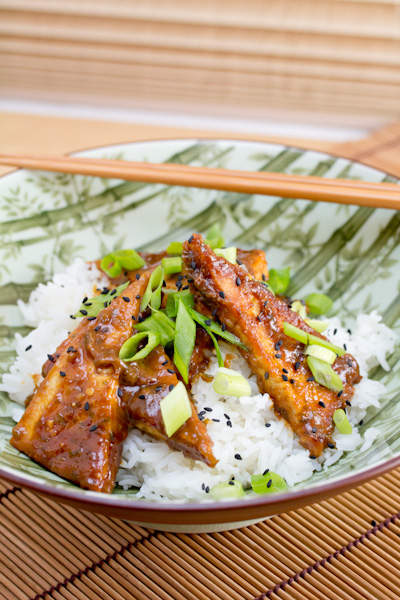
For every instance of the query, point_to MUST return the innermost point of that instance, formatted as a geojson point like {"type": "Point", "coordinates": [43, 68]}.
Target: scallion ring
{"type": "Point", "coordinates": [228, 382]}
{"type": "Point", "coordinates": [128, 350]}
{"type": "Point", "coordinates": [176, 409]}
{"type": "Point", "coordinates": [341, 421]}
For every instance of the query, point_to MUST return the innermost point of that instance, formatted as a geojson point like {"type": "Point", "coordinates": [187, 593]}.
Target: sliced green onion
{"type": "Point", "coordinates": [324, 374]}
{"type": "Point", "coordinates": [158, 323]}
{"type": "Point", "coordinates": [185, 337]}
{"type": "Point", "coordinates": [295, 333]}
{"type": "Point", "coordinates": [173, 301]}
{"type": "Point", "coordinates": [308, 338]}
{"type": "Point", "coordinates": [319, 304]}
{"type": "Point", "coordinates": [216, 346]}
{"type": "Point", "coordinates": [319, 326]}
{"type": "Point", "coordinates": [175, 409]}
{"type": "Point", "coordinates": [341, 421]}
{"type": "Point", "coordinates": [299, 308]}
{"type": "Point", "coordinates": [214, 237]}
{"type": "Point", "coordinates": [111, 265]}
{"type": "Point", "coordinates": [215, 328]}
{"type": "Point", "coordinates": [279, 280]}
{"type": "Point", "coordinates": [128, 350]}
{"type": "Point", "coordinates": [172, 264]}
{"type": "Point", "coordinates": [228, 253]}
{"type": "Point", "coordinates": [129, 259]}
{"type": "Point", "coordinates": [268, 483]}
{"type": "Point", "coordinates": [228, 382]}
{"type": "Point", "coordinates": [321, 353]}
{"type": "Point", "coordinates": [175, 248]}
{"type": "Point", "coordinates": [313, 339]}
{"type": "Point", "coordinates": [231, 489]}
{"type": "Point", "coordinates": [93, 306]}
{"type": "Point", "coordinates": [153, 287]}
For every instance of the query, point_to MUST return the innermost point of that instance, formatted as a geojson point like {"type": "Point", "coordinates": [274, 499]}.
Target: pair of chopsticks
{"type": "Point", "coordinates": [343, 191]}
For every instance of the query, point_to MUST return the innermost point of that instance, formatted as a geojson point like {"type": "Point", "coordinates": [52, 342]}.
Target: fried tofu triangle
{"type": "Point", "coordinates": [144, 384]}
{"type": "Point", "coordinates": [75, 423]}
{"type": "Point", "coordinates": [256, 316]}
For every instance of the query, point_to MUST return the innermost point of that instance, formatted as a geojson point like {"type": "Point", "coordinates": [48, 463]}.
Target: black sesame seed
{"type": "Point", "coordinates": [207, 489]}
{"type": "Point", "coordinates": [202, 413]}
{"type": "Point", "coordinates": [126, 298]}
{"type": "Point", "coordinates": [266, 375]}
{"type": "Point", "coordinates": [165, 362]}
{"type": "Point", "coordinates": [119, 392]}
{"type": "Point", "coordinates": [193, 264]}
{"type": "Point", "coordinates": [178, 284]}
{"type": "Point", "coordinates": [140, 319]}
{"type": "Point", "coordinates": [83, 312]}
{"type": "Point", "coordinates": [223, 326]}
{"type": "Point", "coordinates": [267, 424]}
{"type": "Point", "coordinates": [345, 346]}
{"type": "Point", "coordinates": [238, 281]}
{"type": "Point", "coordinates": [292, 381]}
{"type": "Point", "coordinates": [113, 292]}
{"type": "Point", "coordinates": [185, 287]}
{"type": "Point", "coordinates": [263, 277]}
{"type": "Point", "coordinates": [229, 423]}
{"type": "Point", "coordinates": [348, 402]}
{"type": "Point", "coordinates": [239, 262]}
{"type": "Point", "coordinates": [190, 280]}
{"type": "Point", "coordinates": [87, 406]}
{"type": "Point", "coordinates": [208, 322]}
{"type": "Point", "coordinates": [269, 483]}
{"type": "Point", "coordinates": [180, 277]}
{"type": "Point", "coordinates": [190, 240]}
{"type": "Point", "coordinates": [221, 294]}
{"type": "Point", "coordinates": [278, 355]}
{"type": "Point", "coordinates": [105, 330]}
{"type": "Point", "coordinates": [340, 393]}
{"type": "Point", "coordinates": [142, 397]}
{"type": "Point", "coordinates": [28, 347]}
{"type": "Point", "coordinates": [214, 312]}
{"type": "Point", "coordinates": [334, 331]}
{"type": "Point", "coordinates": [85, 300]}
{"type": "Point", "coordinates": [72, 317]}
{"type": "Point", "coordinates": [278, 344]}
{"type": "Point", "coordinates": [93, 428]}
{"type": "Point", "coordinates": [105, 304]}
{"type": "Point", "coordinates": [297, 365]}
{"type": "Point", "coordinates": [226, 416]}
{"type": "Point", "coordinates": [133, 318]}
{"type": "Point", "coordinates": [91, 318]}
{"type": "Point", "coordinates": [238, 457]}
{"type": "Point", "coordinates": [97, 329]}
{"type": "Point", "coordinates": [171, 387]}
{"type": "Point", "coordinates": [349, 363]}
{"type": "Point", "coordinates": [171, 371]}
{"type": "Point", "coordinates": [258, 318]}
{"type": "Point", "coordinates": [321, 404]}
{"type": "Point", "coordinates": [208, 409]}
{"type": "Point", "coordinates": [231, 482]}
{"type": "Point", "coordinates": [62, 373]}
{"type": "Point", "coordinates": [314, 430]}
{"type": "Point", "coordinates": [216, 420]}
{"type": "Point", "coordinates": [312, 456]}
{"type": "Point", "coordinates": [330, 445]}
{"type": "Point", "coordinates": [285, 377]}
{"type": "Point", "coordinates": [105, 291]}
{"type": "Point", "coordinates": [203, 486]}
{"type": "Point", "coordinates": [312, 378]}
{"type": "Point", "coordinates": [361, 422]}
{"type": "Point", "coordinates": [159, 388]}
{"type": "Point", "coordinates": [349, 331]}
{"type": "Point", "coordinates": [266, 471]}
{"type": "Point", "coordinates": [265, 303]}
{"type": "Point", "coordinates": [87, 303]}
{"type": "Point", "coordinates": [285, 370]}
{"type": "Point", "coordinates": [137, 275]}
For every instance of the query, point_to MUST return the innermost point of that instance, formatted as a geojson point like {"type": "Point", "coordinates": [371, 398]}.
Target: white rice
{"type": "Point", "coordinates": [163, 474]}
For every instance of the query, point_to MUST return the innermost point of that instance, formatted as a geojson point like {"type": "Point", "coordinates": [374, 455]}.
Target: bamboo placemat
{"type": "Point", "coordinates": [344, 548]}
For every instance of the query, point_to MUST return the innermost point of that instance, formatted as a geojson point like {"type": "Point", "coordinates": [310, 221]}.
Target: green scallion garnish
{"type": "Point", "coordinates": [322, 353]}
{"type": "Point", "coordinates": [319, 304]}
{"type": "Point", "coordinates": [324, 374]}
{"type": "Point", "coordinates": [341, 421]}
{"type": "Point", "coordinates": [215, 328]}
{"type": "Point", "coordinates": [228, 253]}
{"type": "Point", "coordinates": [113, 263]}
{"type": "Point", "coordinates": [159, 323]}
{"type": "Point", "coordinates": [231, 489]}
{"type": "Point", "coordinates": [175, 409]}
{"type": "Point", "coordinates": [268, 483]}
{"type": "Point", "coordinates": [308, 338]}
{"type": "Point", "coordinates": [93, 306]}
{"type": "Point", "coordinates": [185, 337]}
{"type": "Point", "coordinates": [128, 350]}
{"type": "Point", "coordinates": [175, 248]}
{"type": "Point", "coordinates": [172, 264]}
{"type": "Point", "coordinates": [319, 326]}
{"type": "Point", "coordinates": [173, 301]}
{"type": "Point", "coordinates": [152, 294]}
{"type": "Point", "coordinates": [299, 308]}
{"type": "Point", "coordinates": [214, 237]}
{"type": "Point", "coordinates": [216, 346]}
{"type": "Point", "coordinates": [279, 280]}
{"type": "Point", "coordinates": [228, 382]}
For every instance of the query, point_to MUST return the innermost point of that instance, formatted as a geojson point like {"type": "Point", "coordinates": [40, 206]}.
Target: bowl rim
{"type": "Point", "coordinates": [200, 512]}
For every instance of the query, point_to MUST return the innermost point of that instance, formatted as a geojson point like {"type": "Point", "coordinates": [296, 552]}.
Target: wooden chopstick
{"type": "Point", "coordinates": [343, 191]}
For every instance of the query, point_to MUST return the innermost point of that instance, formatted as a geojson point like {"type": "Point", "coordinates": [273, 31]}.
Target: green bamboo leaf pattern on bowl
{"type": "Point", "coordinates": [350, 253]}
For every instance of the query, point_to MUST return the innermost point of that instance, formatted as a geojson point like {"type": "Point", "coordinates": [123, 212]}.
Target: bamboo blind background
{"type": "Point", "coordinates": [345, 548]}
{"type": "Point", "coordinates": [239, 57]}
